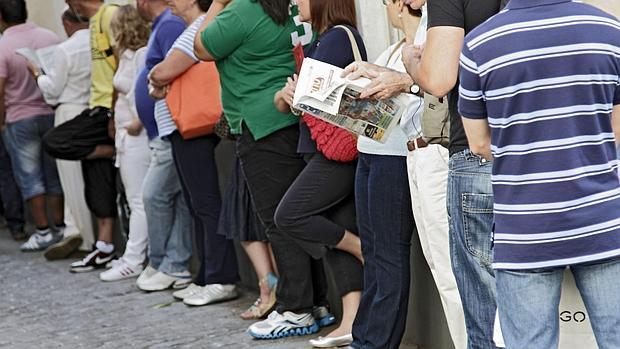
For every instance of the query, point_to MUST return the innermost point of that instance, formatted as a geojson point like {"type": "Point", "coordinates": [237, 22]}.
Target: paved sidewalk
{"type": "Point", "coordinates": [42, 305]}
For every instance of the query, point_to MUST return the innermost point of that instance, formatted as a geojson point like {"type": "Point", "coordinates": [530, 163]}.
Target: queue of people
{"type": "Point", "coordinates": [524, 185]}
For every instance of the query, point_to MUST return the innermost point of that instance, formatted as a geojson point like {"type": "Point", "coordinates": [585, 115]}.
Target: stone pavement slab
{"type": "Point", "coordinates": [42, 305]}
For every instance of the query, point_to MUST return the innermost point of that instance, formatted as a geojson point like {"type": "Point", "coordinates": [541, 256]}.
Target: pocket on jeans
{"type": "Point", "coordinates": [478, 225]}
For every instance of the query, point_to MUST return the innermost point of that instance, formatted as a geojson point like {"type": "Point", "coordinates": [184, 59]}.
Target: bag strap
{"type": "Point", "coordinates": [102, 38]}
{"type": "Point", "coordinates": [356, 50]}
{"type": "Point", "coordinates": [395, 49]}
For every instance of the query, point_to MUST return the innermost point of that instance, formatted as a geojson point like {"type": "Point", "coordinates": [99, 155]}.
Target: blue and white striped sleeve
{"type": "Point", "coordinates": [185, 42]}
{"type": "Point", "coordinates": [617, 94]}
{"type": "Point", "coordinates": [472, 104]}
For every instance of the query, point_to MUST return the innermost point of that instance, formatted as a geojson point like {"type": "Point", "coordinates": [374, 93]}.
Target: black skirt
{"type": "Point", "coordinates": [238, 219]}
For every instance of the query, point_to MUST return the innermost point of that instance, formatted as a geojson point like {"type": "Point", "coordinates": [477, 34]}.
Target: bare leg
{"type": "Point", "coordinates": [102, 151]}
{"type": "Point", "coordinates": [352, 244]}
{"type": "Point", "coordinates": [350, 303]}
{"type": "Point", "coordinates": [106, 229]}
{"type": "Point", "coordinates": [274, 265]}
{"type": "Point", "coordinates": [57, 206]}
{"type": "Point", "coordinates": [39, 211]}
{"type": "Point", "coordinates": [259, 253]}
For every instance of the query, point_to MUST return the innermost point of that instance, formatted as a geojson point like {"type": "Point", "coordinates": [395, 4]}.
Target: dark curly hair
{"type": "Point", "coordinates": [204, 4]}
{"type": "Point", "coordinates": [13, 11]}
{"type": "Point", "coordinates": [278, 10]}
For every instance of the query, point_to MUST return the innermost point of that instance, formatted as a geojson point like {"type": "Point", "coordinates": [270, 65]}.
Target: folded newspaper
{"type": "Point", "coordinates": [42, 58]}
{"type": "Point", "coordinates": [323, 93]}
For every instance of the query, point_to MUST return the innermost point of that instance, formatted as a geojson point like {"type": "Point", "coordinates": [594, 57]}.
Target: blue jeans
{"type": "Point", "coordinates": [385, 223]}
{"type": "Point", "coordinates": [194, 160]}
{"type": "Point", "coordinates": [34, 170]}
{"type": "Point", "coordinates": [470, 214]}
{"type": "Point", "coordinates": [528, 303]}
{"type": "Point", "coordinates": [168, 218]}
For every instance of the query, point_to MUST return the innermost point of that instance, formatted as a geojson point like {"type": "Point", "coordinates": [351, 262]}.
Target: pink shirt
{"type": "Point", "coordinates": [22, 97]}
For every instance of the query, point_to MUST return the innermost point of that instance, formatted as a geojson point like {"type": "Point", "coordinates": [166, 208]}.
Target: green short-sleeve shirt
{"type": "Point", "coordinates": [254, 58]}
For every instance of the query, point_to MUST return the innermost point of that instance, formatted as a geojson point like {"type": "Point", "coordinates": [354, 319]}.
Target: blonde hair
{"type": "Point", "coordinates": [130, 31]}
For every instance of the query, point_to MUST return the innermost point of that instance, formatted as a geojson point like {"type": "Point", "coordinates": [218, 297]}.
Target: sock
{"type": "Point", "coordinates": [60, 225]}
{"type": "Point", "coordinates": [104, 247]}
{"type": "Point", "coordinates": [44, 234]}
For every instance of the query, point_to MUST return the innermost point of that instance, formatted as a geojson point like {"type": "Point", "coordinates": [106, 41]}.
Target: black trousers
{"type": "Point", "coordinates": [195, 163]}
{"type": "Point", "coordinates": [75, 140]}
{"type": "Point", "coordinates": [11, 203]}
{"type": "Point", "coordinates": [317, 209]}
{"type": "Point", "coordinates": [270, 165]}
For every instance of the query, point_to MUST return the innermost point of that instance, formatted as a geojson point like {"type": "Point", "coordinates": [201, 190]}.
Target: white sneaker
{"type": "Point", "coordinates": [146, 274]}
{"type": "Point", "coordinates": [182, 282]}
{"type": "Point", "coordinates": [211, 294]}
{"type": "Point", "coordinates": [160, 281]}
{"type": "Point", "coordinates": [39, 242]}
{"type": "Point", "coordinates": [120, 271]}
{"type": "Point", "coordinates": [284, 325]}
{"type": "Point", "coordinates": [189, 291]}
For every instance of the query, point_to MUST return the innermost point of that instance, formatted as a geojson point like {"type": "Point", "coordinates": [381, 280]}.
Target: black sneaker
{"type": "Point", "coordinates": [19, 235]}
{"type": "Point", "coordinates": [94, 260]}
{"type": "Point", "coordinates": [323, 316]}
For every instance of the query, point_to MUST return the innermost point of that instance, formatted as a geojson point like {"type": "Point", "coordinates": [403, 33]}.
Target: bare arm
{"type": "Point", "coordinates": [479, 137]}
{"type": "Point", "coordinates": [437, 71]}
{"type": "Point", "coordinates": [283, 99]}
{"type": "Point", "coordinates": [384, 82]}
{"type": "Point", "coordinates": [615, 122]}
{"type": "Point", "coordinates": [199, 50]}
{"type": "Point", "coordinates": [2, 107]}
{"type": "Point", "coordinates": [170, 68]}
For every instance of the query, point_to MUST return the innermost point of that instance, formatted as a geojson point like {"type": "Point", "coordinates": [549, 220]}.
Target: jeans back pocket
{"type": "Point", "coordinates": [478, 225]}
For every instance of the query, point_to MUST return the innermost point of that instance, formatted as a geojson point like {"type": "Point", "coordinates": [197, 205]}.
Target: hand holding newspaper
{"type": "Point", "coordinates": [322, 93]}
{"type": "Point", "coordinates": [42, 58]}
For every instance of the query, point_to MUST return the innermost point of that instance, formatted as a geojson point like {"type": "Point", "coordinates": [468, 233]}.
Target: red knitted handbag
{"type": "Point", "coordinates": [333, 142]}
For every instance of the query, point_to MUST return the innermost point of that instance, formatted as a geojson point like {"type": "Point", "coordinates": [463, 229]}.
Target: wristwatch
{"type": "Point", "coordinates": [414, 88]}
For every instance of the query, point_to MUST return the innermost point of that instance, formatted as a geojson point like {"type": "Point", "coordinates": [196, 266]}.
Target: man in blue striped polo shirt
{"type": "Point", "coordinates": [540, 97]}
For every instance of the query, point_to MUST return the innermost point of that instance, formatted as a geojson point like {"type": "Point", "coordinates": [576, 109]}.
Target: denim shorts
{"type": "Point", "coordinates": [34, 170]}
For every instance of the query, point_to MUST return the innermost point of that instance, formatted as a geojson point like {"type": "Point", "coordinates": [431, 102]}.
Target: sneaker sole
{"type": "Point", "coordinates": [146, 288]}
{"type": "Point", "coordinates": [181, 285]}
{"type": "Point", "coordinates": [327, 321]}
{"type": "Point", "coordinates": [299, 331]}
{"type": "Point", "coordinates": [81, 269]}
{"type": "Point", "coordinates": [31, 250]}
{"type": "Point", "coordinates": [63, 249]}
{"type": "Point", "coordinates": [221, 300]}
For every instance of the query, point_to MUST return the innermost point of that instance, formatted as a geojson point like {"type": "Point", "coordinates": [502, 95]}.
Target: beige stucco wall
{"type": "Point", "coordinates": [46, 13]}
{"type": "Point", "coordinates": [611, 6]}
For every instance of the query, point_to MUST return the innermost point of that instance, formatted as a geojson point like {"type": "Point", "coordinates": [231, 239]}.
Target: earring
{"type": "Point", "coordinates": [400, 15]}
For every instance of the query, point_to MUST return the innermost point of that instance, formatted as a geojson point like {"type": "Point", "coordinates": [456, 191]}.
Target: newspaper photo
{"type": "Point", "coordinates": [323, 93]}
{"type": "Point", "coordinates": [42, 58]}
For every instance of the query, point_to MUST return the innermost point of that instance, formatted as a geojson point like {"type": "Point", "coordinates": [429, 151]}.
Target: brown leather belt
{"type": "Point", "coordinates": [416, 144]}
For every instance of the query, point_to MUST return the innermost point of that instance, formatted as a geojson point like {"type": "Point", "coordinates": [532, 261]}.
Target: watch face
{"type": "Point", "coordinates": [415, 89]}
